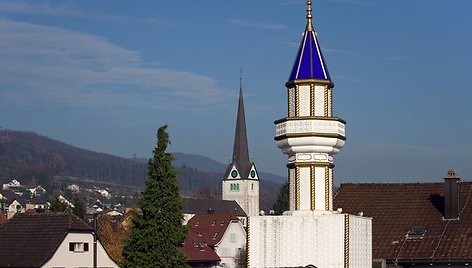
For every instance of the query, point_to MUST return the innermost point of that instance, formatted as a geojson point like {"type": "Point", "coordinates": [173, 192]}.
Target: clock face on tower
{"type": "Point", "coordinates": [234, 173]}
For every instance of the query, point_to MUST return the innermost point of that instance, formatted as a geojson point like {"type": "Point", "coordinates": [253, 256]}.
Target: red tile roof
{"type": "Point", "coordinates": [210, 227]}
{"type": "Point", "coordinates": [206, 230]}
{"type": "Point", "coordinates": [3, 218]}
{"type": "Point", "coordinates": [396, 208]}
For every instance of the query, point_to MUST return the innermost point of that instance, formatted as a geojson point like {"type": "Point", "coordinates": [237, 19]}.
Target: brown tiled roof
{"type": "Point", "coordinates": [210, 227]}
{"type": "Point", "coordinates": [198, 252]}
{"type": "Point", "coordinates": [3, 218]}
{"type": "Point", "coordinates": [396, 208]}
{"type": "Point", "coordinates": [206, 230]}
{"type": "Point", "coordinates": [193, 205]}
{"type": "Point", "coordinates": [11, 196]}
{"type": "Point", "coordinates": [29, 240]}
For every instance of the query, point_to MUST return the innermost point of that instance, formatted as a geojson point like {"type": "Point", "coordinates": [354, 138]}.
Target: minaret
{"type": "Point", "coordinates": [241, 181]}
{"type": "Point", "coordinates": [310, 234]}
{"type": "Point", "coordinates": [310, 135]}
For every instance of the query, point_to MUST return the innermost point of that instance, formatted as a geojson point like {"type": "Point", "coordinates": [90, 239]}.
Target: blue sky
{"type": "Point", "coordinates": [104, 75]}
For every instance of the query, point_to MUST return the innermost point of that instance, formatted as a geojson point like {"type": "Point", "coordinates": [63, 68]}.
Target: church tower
{"type": "Point", "coordinates": [241, 180]}
{"type": "Point", "coordinates": [310, 134]}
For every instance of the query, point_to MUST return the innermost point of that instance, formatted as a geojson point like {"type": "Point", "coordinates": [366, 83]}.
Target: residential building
{"type": "Point", "coordinates": [215, 232]}
{"type": "Point", "coordinates": [50, 240]}
{"type": "Point", "coordinates": [12, 203]}
{"type": "Point", "coordinates": [415, 224]}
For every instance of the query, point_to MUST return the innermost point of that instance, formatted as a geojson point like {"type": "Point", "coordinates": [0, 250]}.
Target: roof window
{"type": "Point", "coordinates": [418, 230]}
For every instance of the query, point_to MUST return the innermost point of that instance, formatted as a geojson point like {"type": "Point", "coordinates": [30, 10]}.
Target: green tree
{"type": "Point", "coordinates": [58, 206]}
{"type": "Point", "coordinates": [281, 204]}
{"type": "Point", "coordinates": [79, 207]}
{"type": "Point", "coordinates": [157, 230]}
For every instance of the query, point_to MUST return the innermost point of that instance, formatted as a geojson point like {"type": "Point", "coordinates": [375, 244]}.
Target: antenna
{"type": "Point", "coordinates": [240, 78]}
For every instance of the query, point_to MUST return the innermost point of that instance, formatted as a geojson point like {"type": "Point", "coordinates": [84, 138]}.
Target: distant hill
{"type": "Point", "coordinates": [28, 155]}
{"type": "Point", "coordinates": [204, 163]}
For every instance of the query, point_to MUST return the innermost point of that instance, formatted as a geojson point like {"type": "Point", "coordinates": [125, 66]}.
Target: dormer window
{"type": "Point", "coordinates": [215, 235]}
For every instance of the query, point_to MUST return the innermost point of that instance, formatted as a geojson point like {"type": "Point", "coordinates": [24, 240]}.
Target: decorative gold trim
{"type": "Point", "coordinates": [289, 101]}
{"type": "Point", "coordinates": [291, 83]}
{"type": "Point", "coordinates": [248, 244]}
{"type": "Point", "coordinates": [309, 164]}
{"type": "Point", "coordinates": [330, 102]}
{"type": "Point", "coordinates": [285, 119]}
{"type": "Point", "coordinates": [297, 179]}
{"type": "Point", "coordinates": [312, 190]}
{"type": "Point", "coordinates": [331, 189]}
{"type": "Point", "coordinates": [297, 101]}
{"type": "Point", "coordinates": [327, 188]}
{"type": "Point", "coordinates": [312, 100]}
{"type": "Point", "coordinates": [325, 98]}
{"type": "Point", "coordinates": [290, 189]}
{"type": "Point", "coordinates": [346, 241]}
{"type": "Point", "coordinates": [309, 134]}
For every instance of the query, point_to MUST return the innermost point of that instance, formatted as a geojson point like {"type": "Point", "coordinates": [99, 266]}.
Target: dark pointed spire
{"type": "Point", "coordinates": [240, 149]}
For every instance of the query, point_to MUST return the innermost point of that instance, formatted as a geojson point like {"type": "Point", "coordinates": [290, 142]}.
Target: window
{"type": "Point", "coordinates": [215, 235]}
{"type": "Point", "coordinates": [78, 247]}
{"type": "Point", "coordinates": [252, 186]}
{"type": "Point", "coordinates": [234, 187]}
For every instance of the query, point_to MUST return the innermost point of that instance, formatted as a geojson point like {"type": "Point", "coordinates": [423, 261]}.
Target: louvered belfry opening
{"type": "Point", "coordinates": [451, 195]}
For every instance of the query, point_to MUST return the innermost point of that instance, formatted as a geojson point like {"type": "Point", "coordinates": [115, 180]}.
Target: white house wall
{"type": "Point", "coordinates": [234, 239]}
{"type": "Point", "coordinates": [69, 259]}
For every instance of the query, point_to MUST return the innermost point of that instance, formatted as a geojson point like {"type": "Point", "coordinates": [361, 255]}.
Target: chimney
{"type": "Point", "coordinates": [451, 195]}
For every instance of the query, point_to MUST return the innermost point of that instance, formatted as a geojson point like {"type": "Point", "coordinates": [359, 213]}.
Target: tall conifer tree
{"type": "Point", "coordinates": [281, 204]}
{"type": "Point", "coordinates": [157, 231]}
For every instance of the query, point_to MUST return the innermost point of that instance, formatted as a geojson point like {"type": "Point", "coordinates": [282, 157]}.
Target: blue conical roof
{"type": "Point", "coordinates": [309, 63]}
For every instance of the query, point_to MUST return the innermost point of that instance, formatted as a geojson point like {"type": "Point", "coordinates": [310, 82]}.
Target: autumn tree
{"type": "Point", "coordinates": [112, 237]}
{"type": "Point", "coordinates": [281, 204]}
{"type": "Point", "coordinates": [157, 231]}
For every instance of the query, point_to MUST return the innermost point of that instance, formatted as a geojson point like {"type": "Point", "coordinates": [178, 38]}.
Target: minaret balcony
{"type": "Point", "coordinates": [310, 135]}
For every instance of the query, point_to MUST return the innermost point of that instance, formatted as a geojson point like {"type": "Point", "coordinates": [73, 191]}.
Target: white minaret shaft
{"type": "Point", "coordinates": [310, 135]}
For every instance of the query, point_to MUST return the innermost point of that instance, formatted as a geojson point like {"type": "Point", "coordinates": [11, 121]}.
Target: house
{"type": "Point", "coordinates": [220, 232]}
{"type": "Point", "coordinates": [37, 204]}
{"type": "Point", "coordinates": [14, 186]}
{"type": "Point", "coordinates": [12, 203]}
{"type": "Point", "coordinates": [50, 240]}
{"type": "Point", "coordinates": [192, 206]}
{"type": "Point", "coordinates": [37, 190]}
{"type": "Point", "coordinates": [415, 224]}
{"type": "Point", "coordinates": [12, 183]}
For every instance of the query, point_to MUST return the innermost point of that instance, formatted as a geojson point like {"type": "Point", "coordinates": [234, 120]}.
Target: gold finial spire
{"type": "Point", "coordinates": [309, 24]}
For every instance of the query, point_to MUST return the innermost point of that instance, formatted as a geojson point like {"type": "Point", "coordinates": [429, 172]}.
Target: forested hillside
{"type": "Point", "coordinates": [27, 155]}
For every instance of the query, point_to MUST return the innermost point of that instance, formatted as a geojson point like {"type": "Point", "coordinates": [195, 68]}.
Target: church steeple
{"type": "Point", "coordinates": [240, 148]}
{"type": "Point", "coordinates": [241, 180]}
